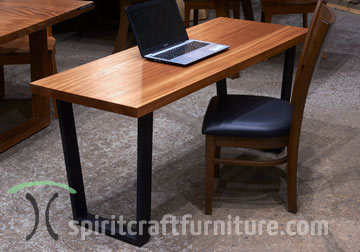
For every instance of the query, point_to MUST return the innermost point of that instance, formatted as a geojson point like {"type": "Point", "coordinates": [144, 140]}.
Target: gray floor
{"type": "Point", "coordinates": [328, 175]}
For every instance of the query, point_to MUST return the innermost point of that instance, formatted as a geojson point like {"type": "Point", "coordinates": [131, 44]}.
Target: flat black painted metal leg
{"type": "Point", "coordinates": [144, 174]}
{"type": "Point", "coordinates": [140, 235]}
{"type": "Point", "coordinates": [288, 73]}
{"type": "Point", "coordinates": [72, 158]}
{"type": "Point", "coordinates": [221, 87]}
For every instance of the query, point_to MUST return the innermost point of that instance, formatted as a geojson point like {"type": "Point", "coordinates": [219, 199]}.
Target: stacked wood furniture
{"type": "Point", "coordinates": [21, 18]}
{"type": "Point", "coordinates": [258, 122]}
{"type": "Point", "coordinates": [196, 5]}
{"type": "Point", "coordinates": [122, 34]}
{"type": "Point", "coordinates": [18, 52]}
{"type": "Point", "coordinates": [270, 8]}
{"type": "Point", "coordinates": [222, 9]}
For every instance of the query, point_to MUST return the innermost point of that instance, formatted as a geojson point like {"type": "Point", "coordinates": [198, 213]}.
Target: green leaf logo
{"type": "Point", "coordinates": [21, 186]}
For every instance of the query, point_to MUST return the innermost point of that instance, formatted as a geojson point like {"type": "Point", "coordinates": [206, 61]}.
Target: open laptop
{"type": "Point", "coordinates": [161, 35]}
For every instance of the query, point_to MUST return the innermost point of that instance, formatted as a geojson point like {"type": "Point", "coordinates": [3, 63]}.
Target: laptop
{"type": "Point", "coordinates": [161, 36]}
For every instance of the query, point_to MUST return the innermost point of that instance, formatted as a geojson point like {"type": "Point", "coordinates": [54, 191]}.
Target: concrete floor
{"type": "Point", "coordinates": [328, 177]}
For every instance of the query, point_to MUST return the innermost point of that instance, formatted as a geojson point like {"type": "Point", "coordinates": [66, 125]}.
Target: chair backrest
{"type": "Point", "coordinates": [321, 22]}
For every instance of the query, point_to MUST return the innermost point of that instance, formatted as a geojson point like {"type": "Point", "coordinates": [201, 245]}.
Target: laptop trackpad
{"type": "Point", "coordinates": [203, 52]}
{"type": "Point", "coordinates": [194, 55]}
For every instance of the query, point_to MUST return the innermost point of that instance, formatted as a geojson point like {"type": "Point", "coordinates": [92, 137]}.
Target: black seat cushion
{"type": "Point", "coordinates": [247, 116]}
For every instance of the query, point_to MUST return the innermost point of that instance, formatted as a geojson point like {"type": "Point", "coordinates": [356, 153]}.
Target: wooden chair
{"type": "Point", "coordinates": [210, 4]}
{"type": "Point", "coordinates": [259, 122]}
{"type": "Point", "coordinates": [270, 8]}
{"type": "Point", "coordinates": [122, 34]}
{"type": "Point", "coordinates": [18, 52]}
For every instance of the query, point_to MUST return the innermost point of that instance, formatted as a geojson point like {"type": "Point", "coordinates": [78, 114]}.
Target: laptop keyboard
{"type": "Point", "coordinates": [181, 50]}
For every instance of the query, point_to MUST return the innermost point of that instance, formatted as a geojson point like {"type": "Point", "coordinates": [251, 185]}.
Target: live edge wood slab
{"type": "Point", "coordinates": [127, 84]}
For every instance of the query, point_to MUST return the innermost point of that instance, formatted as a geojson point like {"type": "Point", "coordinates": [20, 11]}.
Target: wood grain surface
{"type": "Point", "coordinates": [23, 17]}
{"type": "Point", "coordinates": [127, 84]}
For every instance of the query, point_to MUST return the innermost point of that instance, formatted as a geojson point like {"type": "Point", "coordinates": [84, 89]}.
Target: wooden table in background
{"type": "Point", "coordinates": [31, 17]}
{"type": "Point", "coordinates": [125, 83]}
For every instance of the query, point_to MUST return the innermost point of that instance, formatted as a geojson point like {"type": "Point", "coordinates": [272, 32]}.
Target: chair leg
{"type": "Point", "coordinates": [53, 63]}
{"type": "Point", "coordinates": [266, 16]}
{"type": "Point", "coordinates": [323, 55]}
{"type": "Point", "coordinates": [2, 82]}
{"type": "Point", "coordinates": [209, 173]}
{"type": "Point", "coordinates": [305, 20]}
{"type": "Point", "coordinates": [196, 17]}
{"type": "Point", "coordinates": [247, 9]}
{"type": "Point", "coordinates": [121, 37]}
{"type": "Point", "coordinates": [236, 9]}
{"type": "Point", "coordinates": [292, 178]}
{"type": "Point", "coordinates": [187, 15]}
{"type": "Point", "coordinates": [217, 166]}
{"type": "Point", "coordinates": [54, 71]}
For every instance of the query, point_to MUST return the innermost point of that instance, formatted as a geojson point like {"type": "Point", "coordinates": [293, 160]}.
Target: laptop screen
{"type": "Point", "coordinates": [156, 24]}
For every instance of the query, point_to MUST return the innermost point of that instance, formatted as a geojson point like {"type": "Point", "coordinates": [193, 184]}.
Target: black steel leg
{"type": "Point", "coordinates": [221, 87]}
{"type": "Point", "coordinates": [288, 73]}
{"type": "Point", "coordinates": [75, 180]}
{"type": "Point", "coordinates": [72, 158]}
{"type": "Point", "coordinates": [144, 168]}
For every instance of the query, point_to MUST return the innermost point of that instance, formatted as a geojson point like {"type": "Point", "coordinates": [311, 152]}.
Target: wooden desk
{"type": "Point", "coordinates": [127, 84]}
{"type": "Point", "coordinates": [31, 17]}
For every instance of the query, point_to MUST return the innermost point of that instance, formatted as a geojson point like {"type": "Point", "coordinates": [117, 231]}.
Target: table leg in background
{"type": "Point", "coordinates": [41, 105]}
